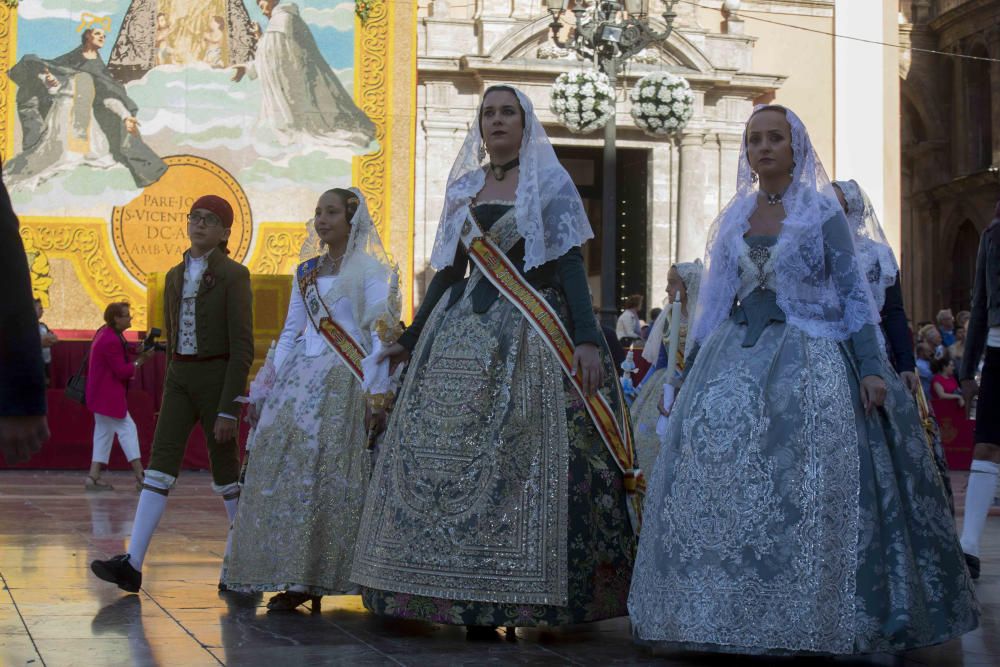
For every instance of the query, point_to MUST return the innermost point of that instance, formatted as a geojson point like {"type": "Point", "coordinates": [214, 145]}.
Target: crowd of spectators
{"type": "Point", "coordinates": [939, 346]}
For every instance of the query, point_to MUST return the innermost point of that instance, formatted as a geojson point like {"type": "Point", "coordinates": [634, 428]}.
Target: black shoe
{"type": "Point", "coordinates": [119, 571]}
{"type": "Point", "coordinates": [481, 633]}
{"type": "Point", "coordinates": [972, 562]}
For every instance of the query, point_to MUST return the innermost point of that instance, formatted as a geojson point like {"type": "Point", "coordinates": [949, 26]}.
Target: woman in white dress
{"type": "Point", "coordinates": [650, 409]}
{"type": "Point", "coordinates": [309, 467]}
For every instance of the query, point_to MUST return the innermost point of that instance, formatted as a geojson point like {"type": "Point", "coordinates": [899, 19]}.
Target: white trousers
{"type": "Point", "coordinates": [105, 429]}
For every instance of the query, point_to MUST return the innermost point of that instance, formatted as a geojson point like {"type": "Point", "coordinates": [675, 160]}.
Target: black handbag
{"type": "Point", "coordinates": [76, 386]}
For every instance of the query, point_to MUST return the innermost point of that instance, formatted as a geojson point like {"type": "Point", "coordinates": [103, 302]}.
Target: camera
{"type": "Point", "coordinates": [150, 342]}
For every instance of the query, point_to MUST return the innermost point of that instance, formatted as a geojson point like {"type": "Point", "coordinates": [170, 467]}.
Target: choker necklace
{"type": "Point", "coordinates": [500, 170]}
{"type": "Point", "coordinates": [772, 200]}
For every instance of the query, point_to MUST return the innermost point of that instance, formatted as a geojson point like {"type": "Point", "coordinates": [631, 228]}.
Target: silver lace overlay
{"type": "Point", "coordinates": [469, 497]}
{"type": "Point", "coordinates": [750, 539]}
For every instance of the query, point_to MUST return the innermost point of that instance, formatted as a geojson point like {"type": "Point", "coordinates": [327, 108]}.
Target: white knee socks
{"type": "Point", "coordinates": [231, 505]}
{"type": "Point", "coordinates": [978, 499]}
{"type": "Point", "coordinates": [147, 517]}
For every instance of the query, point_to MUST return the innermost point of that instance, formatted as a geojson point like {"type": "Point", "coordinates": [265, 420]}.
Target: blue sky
{"type": "Point", "coordinates": [48, 27]}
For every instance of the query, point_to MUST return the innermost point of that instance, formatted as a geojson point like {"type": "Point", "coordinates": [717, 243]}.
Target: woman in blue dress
{"type": "Point", "coordinates": [785, 512]}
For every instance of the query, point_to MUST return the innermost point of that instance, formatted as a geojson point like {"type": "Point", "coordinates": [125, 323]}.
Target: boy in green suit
{"type": "Point", "coordinates": [210, 348]}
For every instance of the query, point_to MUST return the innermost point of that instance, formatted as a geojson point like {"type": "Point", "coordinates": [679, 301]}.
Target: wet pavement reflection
{"type": "Point", "coordinates": [53, 612]}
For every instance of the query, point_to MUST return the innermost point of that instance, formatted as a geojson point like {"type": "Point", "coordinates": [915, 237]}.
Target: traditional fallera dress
{"type": "Point", "coordinates": [878, 263]}
{"type": "Point", "coordinates": [645, 410]}
{"type": "Point", "coordinates": [648, 424]}
{"type": "Point", "coordinates": [495, 500]}
{"type": "Point", "coordinates": [309, 465]}
{"type": "Point", "coordinates": [779, 517]}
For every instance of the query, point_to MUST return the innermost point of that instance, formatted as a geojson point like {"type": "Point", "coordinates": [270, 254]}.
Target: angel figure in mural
{"type": "Point", "coordinates": [164, 52]}
{"type": "Point", "coordinates": [74, 113]}
{"type": "Point", "coordinates": [301, 95]}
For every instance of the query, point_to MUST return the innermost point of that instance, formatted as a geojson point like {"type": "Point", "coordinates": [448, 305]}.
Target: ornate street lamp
{"type": "Point", "coordinates": [609, 33]}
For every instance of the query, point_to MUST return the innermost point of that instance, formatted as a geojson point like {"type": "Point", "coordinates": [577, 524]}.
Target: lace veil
{"type": "Point", "coordinates": [690, 273]}
{"type": "Point", "coordinates": [820, 286]}
{"type": "Point", "coordinates": [550, 215]}
{"type": "Point", "coordinates": [878, 263]}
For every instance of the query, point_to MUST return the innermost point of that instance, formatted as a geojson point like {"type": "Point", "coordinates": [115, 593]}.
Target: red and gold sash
{"type": "Point", "coordinates": [341, 342]}
{"type": "Point", "coordinates": [498, 269]}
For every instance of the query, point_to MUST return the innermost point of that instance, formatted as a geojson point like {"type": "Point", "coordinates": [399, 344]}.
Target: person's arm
{"type": "Point", "coordinates": [896, 330]}
{"type": "Point", "coordinates": [22, 376]}
{"type": "Point", "coordinates": [439, 284]}
{"type": "Point", "coordinates": [586, 336]}
{"type": "Point", "coordinates": [842, 265]}
{"type": "Point", "coordinates": [939, 391]}
{"type": "Point", "coordinates": [23, 428]}
{"type": "Point", "coordinates": [295, 322]}
{"type": "Point", "coordinates": [573, 277]}
{"type": "Point", "coordinates": [377, 375]}
{"type": "Point", "coordinates": [239, 320]}
{"type": "Point", "coordinates": [976, 332]}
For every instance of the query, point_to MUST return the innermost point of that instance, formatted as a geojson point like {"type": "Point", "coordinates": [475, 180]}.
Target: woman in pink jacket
{"type": "Point", "coordinates": [108, 372]}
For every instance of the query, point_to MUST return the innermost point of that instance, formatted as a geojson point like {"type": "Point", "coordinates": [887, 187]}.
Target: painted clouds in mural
{"type": "Point", "coordinates": [91, 136]}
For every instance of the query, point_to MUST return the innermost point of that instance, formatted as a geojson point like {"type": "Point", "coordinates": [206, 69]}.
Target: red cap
{"type": "Point", "coordinates": [217, 205]}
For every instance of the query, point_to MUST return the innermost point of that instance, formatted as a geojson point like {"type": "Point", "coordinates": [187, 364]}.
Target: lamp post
{"type": "Point", "coordinates": [609, 33]}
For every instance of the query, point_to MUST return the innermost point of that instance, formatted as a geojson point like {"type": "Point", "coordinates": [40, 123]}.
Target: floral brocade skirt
{"type": "Point", "coordinates": [781, 519]}
{"type": "Point", "coordinates": [494, 500]}
{"type": "Point", "coordinates": [305, 482]}
{"type": "Point", "coordinates": [645, 411]}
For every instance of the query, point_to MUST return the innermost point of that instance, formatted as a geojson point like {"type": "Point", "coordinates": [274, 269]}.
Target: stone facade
{"type": "Point", "coordinates": [465, 46]}
{"type": "Point", "coordinates": [950, 111]}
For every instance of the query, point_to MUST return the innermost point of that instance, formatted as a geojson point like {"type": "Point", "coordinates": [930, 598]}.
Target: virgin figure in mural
{"type": "Point", "coordinates": [181, 32]}
{"type": "Point", "coordinates": [74, 112]}
{"type": "Point", "coordinates": [301, 95]}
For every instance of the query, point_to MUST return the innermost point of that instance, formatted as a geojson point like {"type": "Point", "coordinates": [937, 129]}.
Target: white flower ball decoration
{"type": "Point", "coordinates": [582, 100]}
{"type": "Point", "coordinates": [662, 103]}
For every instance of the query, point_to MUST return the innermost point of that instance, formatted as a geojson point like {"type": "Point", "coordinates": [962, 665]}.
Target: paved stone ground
{"type": "Point", "coordinates": [54, 613]}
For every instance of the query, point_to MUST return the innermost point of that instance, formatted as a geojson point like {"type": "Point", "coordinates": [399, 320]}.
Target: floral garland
{"type": "Point", "coordinates": [582, 100]}
{"type": "Point", "coordinates": [363, 8]}
{"type": "Point", "coordinates": [662, 103]}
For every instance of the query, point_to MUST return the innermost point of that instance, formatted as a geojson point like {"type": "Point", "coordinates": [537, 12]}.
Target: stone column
{"type": "Point", "coordinates": [662, 220]}
{"type": "Point", "coordinates": [692, 226]}
{"type": "Point", "coordinates": [993, 47]}
{"type": "Point", "coordinates": [729, 159]}
{"type": "Point", "coordinates": [959, 118]}
{"type": "Point", "coordinates": [439, 138]}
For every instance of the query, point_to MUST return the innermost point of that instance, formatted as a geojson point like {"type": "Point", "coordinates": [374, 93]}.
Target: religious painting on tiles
{"type": "Point", "coordinates": [118, 114]}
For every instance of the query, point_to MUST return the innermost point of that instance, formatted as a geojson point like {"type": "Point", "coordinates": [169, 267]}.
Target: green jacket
{"type": "Point", "coordinates": [224, 320]}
